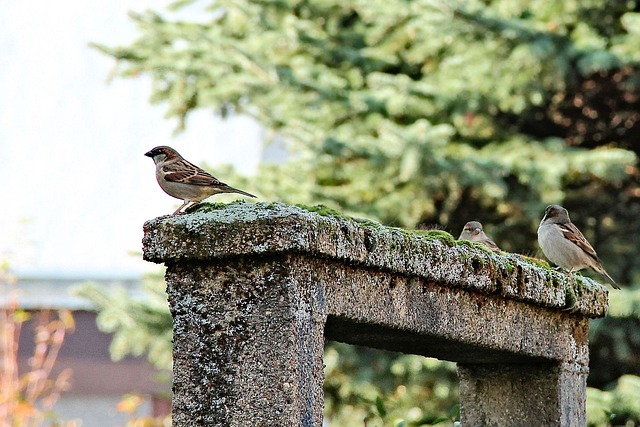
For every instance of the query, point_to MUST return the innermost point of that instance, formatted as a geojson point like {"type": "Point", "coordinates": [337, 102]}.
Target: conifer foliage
{"type": "Point", "coordinates": [427, 112]}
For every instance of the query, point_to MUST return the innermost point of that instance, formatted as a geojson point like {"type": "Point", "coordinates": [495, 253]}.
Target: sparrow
{"type": "Point", "coordinates": [473, 232]}
{"type": "Point", "coordinates": [183, 180]}
{"type": "Point", "coordinates": [564, 245]}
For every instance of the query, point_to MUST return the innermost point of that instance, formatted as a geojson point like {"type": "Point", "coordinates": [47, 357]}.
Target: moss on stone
{"type": "Point", "coordinates": [364, 222]}
{"type": "Point", "coordinates": [322, 210]}
{"type": "Point", "coordinates": [482, 262]}
{"type": "Point", "coordinates": [579, 281]}
{"type": "Point", "coordinates": [570, 297]}
{"type": "Point", "coordinates": [509, 267]}
{"type": "Point", "coordinates": [273, 206]}
{"type": "Point", "coordinates": [471, 244]}
{"type": "Point", "coordinates": [243, 228]}
{"type": "Point", "coordinates": [537, 262]}
{"type": "Point", "coordinates": [441, 235]}
{"type": "Point", "coordinates": [204, 207]}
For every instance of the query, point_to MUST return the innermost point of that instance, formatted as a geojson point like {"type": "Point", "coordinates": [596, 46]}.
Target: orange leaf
{"type": "Point", "coordinates": [129, 403]}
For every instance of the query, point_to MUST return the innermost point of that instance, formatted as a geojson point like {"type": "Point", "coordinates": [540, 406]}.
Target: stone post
{"type": "Point", "coordinates": [255, 289]}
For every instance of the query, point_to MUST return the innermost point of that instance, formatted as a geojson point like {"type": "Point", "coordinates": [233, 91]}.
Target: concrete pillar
{"type": "Point", "coordinates": [505, 395]}
{"type": "Point", "coordinates": [248, 346]}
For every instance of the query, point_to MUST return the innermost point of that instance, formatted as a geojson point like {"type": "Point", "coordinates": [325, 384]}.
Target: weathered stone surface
{"type": "Point", "coordinates": [248, 346]}
{"type": "Point", "coordinates": [523, 395]}
{"type": "Point", "coordinates": [255, 290]}
{"type": "Point", "coordinates": [258, 229]}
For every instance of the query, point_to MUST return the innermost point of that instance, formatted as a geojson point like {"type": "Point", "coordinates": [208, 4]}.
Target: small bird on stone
{"type": "Point", "coordinates": [564, 245]}
{"type": "Point", "coordinates": [473, 232]}
{"type": "Point", "coordinates": [183, 180]}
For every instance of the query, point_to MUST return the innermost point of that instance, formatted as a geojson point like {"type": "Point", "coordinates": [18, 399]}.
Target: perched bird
{"type": "Point", "coordinates": [473, 232]}
{"type": "Point", "coordinates": [183, 180]}
{"type": "Point", "coordinates": [564, 244]}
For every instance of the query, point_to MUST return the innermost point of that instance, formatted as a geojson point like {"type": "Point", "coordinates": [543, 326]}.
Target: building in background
{"type": "Point", "coordinates": [97, 382]}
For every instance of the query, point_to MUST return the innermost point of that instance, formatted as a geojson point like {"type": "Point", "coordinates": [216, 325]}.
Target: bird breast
{"type": "Point", "coordinates": [560, 250]}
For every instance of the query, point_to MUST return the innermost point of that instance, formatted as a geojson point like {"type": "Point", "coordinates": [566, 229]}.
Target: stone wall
{"type": "Point", "coordinates": [255, 289]}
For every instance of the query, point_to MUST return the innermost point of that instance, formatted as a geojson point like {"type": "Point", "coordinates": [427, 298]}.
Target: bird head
{"type": "Point", "coordinates": [162, 153]}
{"type": "Point", "coordinates": [473, 227]}
{"type": "Point", "coordinates": [556, 214]}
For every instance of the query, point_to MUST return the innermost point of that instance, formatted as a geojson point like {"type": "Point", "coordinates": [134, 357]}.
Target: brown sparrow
{"type": "Point", "coordinates": [564, 244]}
{"type": "Point", "coordinates": [184, 180]}
{"type": "Point", "coordinates": [473, 232]}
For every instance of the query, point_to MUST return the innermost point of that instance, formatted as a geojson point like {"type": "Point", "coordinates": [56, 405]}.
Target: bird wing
{"type": "Point", "coordinates": [188, 173]}
{"type": "Point", "coordinates": [572, 233]}
{"type": "Point", "coordinates": [491, 244]}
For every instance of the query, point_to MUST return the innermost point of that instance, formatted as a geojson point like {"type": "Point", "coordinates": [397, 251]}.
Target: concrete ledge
{"type": "Point", "coordinates": [219, 231]}
{"type": "Point", "coordinates": [255, 289]}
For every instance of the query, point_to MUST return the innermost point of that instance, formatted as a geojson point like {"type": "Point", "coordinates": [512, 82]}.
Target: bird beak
{"type": "Point", "coordinates": [148, 154]}
{"type": "Point", "coordinates": [476, 230]}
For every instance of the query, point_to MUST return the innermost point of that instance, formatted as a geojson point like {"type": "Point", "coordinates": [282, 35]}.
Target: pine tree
{"type": "Point", "coordinates": [426, 112]}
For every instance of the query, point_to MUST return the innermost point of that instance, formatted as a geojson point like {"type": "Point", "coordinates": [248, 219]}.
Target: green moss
{"type": "Point", "coordinates": [210, 207]}
{"type": "Point", "coordinates": [368, 223]}
{"type": "Point", "coordinates": [326, 211]}
{"type": "Point", "coordinates": [465, 256]}
{"type": "Point", "coordinates": [554, 280]}
{"type": "Point", "coordinates": [509, 267]}
{"type": "Point", "coordinates": [579, 281]}
{"type": "Point", "coordinates": [570, 297]}
{"type": "Point", "coordinates": [441, 235]}
{"type": "Point", "coordinates": [537, 262]}
{"type": "Point", "coordinates": [482, 261]}
{"type": "Point", "coordinates": [430, 234]}
{"type": "Point", "coordinates": [322, 210]}
{"type": "Point", "coordinates": [471, 244]}
{"type": "Point", "coordinates": [273, 206]}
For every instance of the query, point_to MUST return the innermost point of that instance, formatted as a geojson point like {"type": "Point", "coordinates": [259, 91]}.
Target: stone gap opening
{"type": "Point", "coordinates": [386, 386]}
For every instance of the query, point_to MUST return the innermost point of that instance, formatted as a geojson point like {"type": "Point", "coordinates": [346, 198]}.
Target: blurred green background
{"type": "Point", "coordinates": [419, 114]}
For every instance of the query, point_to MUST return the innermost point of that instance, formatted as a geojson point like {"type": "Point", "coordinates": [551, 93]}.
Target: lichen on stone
{"type": "Point", "coordinates": [216, 230]}
{"type": "Point", "coordinates": [538, 262]}
{"type": "Point", "coordinates": [321, 210]}
{"type": "Point", "coordinates": [440, 235]}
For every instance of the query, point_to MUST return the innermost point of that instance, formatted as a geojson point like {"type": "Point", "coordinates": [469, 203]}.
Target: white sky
{"type": "Point", "coordinates": [74, 182]}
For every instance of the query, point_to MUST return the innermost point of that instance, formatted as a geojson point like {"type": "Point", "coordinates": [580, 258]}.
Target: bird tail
{"type": "Point", "coordinates": [235, 190]}
{"type": "Point", "coordinates": [605, 274]}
